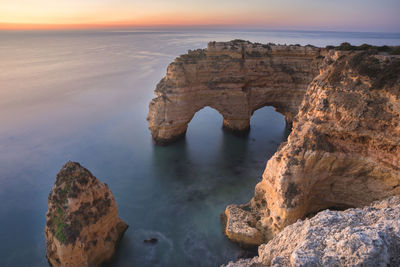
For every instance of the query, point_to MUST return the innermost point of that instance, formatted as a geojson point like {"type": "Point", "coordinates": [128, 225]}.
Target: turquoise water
{"type": "Point", "coordinates": [83, 96]}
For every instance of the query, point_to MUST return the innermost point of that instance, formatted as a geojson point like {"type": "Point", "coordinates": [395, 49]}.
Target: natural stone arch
{"type": "Point", "coordinates": [236, 78]}
{"type": "Point", "coordinates": [170, 126]}
{"type": "Point", "coordinates": [344, 147]}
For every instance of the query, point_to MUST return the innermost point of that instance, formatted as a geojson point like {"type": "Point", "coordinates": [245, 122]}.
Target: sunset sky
{"type": "Point", "coordinates": [350, 15]}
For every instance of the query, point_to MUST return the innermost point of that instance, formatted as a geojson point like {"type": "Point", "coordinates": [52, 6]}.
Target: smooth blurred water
{"type": "Point", "coordinates": [83, 96]}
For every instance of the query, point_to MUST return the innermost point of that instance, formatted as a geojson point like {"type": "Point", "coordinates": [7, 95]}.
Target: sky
{"type": "Point", "coordinates": [349, 15]}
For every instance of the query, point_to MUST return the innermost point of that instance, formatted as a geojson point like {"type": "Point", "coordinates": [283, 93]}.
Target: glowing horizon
{"type": "Point", "coordinates": [353, 15]}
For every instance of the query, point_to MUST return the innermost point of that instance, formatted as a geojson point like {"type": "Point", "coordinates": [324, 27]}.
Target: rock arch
{"type": "Point", "coordinates": [236, 78]}
{"type": "Point", "coordinates": [344, 149]}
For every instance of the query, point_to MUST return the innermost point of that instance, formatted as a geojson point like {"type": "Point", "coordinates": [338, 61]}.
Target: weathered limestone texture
{"type": "Point", "coordinates": [235, 78]}
{"type": "Point", "coordinates": [343, 151]}
{"type": "Point", "coordinates": [355, 237]}
{"type": "Point", "coordinates": [82, 224]}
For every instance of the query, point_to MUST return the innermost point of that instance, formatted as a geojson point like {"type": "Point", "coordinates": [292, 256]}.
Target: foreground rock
{"type": "Point", "coordinates": [355, 237]}
{"type": "Point", "coordinates": [82, 224]}
{"type": "Point", "coordinates": [343, 151]}
{"type": "Point", "coordinates": [235, 78]}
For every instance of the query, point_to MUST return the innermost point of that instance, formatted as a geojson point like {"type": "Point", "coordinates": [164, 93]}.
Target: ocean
{"type": "Point", "coordinates": [83, 96]}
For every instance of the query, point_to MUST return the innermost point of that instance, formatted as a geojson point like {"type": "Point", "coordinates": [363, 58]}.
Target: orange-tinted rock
{"type": "Point", "coordinates": [235, 78]}
{"type": "Point", "coordinates": [343, 151]}
{"type": "Point", "coordinates": [82, 224]}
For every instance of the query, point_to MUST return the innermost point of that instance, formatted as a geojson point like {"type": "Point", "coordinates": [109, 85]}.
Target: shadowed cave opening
{"type": "Point", "coordinates": [338, 207]}
{"type": "Point", "coordinates": [206, 138]}
{"type": "Point", "coordinates": [205, 121]}
{"type": "Point", "coordinates": [265, 117]}
{"type": "Point", "coordinates": [204, 124]}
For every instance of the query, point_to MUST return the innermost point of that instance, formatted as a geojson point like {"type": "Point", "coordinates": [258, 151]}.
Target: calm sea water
{"type": "Point", "coordinates": [83, 96]}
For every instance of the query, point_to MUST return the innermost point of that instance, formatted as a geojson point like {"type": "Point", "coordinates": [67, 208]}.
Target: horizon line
{"type": "Point", "coordinates": [6, 26]}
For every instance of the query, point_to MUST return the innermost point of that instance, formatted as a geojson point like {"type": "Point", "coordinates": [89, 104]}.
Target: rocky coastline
{"type": "Point", "coordinates": [343, 104]}
{"type": "Point", "coordinates": [313, 204]}
{"type": "Point", "coordinates": [368, 236]}
{"type": "Point", "coordinates": [343, 151]}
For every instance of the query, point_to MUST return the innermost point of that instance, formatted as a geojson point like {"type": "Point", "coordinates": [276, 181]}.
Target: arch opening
{"type": "Point", "coordinates": [268, 131]}
{"type": "Point", "coordinates": [204, 122]}
{"type": "Point", "coordinates": [268, 116]}
{"type": "Point", "coordinates": [275, 114]}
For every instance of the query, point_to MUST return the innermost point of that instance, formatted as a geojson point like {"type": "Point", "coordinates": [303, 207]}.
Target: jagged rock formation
{"type": "Point", "coordinates": [82, 224]}
{"type": "Point", "coordinates": [343, 151]}
{"type": "Point", "coordinates": [355, 237]}
{"type": "Point", "coordinates": [235, 78]}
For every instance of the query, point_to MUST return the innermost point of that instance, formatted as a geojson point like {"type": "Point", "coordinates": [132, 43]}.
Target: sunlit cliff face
{"type": "Point", "coordinates": [370, 15]}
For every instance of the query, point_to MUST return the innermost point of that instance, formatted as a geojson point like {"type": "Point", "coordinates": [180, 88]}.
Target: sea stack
{"type": "Point", "coordinates": [82, 223]}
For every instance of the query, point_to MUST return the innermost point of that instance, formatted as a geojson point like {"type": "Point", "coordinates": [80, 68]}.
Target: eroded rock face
{"type": "Point", "coordinates": [235, 78]}
{"type": "Point", "coordinates": [82, 224]}
{"type": "Point", "coordinates": [343, 151]}
{"type": "Point", "coordinates": [355, 237]}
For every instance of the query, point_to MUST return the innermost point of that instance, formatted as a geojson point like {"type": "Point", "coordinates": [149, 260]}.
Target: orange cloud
{"type": "Point", "coordinates": [77, 14]}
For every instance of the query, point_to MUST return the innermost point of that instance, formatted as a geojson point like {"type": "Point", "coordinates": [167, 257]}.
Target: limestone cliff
{"type": "Point", "coordinates": [355, 237]}
{"type": "Point", "coordinates": [343, 151]}
{"type": "Point", "coordinates": [82, 224]}
{"type": "Point", "coordinates": [235, 78]}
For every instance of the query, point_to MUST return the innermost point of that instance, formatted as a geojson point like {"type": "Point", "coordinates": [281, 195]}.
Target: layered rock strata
{"type": "Point", "coordinates": [82, 224]}
{"type": "Point", "coordinates": [235, 78]}
{"type": "Point", "coordinates": [343, 151]}
{"type": "Point", "coordinates": [355, 237]}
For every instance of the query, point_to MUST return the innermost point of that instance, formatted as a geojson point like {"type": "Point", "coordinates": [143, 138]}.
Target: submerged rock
{"type": "Point", "coordinates": [152, 241]}
{"type": "Point", "coordinates": [367, 236]}
{"type": "Point", "coordinates": [82, 224]}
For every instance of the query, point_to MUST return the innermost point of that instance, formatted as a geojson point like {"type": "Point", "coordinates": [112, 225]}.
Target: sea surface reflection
{"type": "Point", "coordinates": [83, 96]}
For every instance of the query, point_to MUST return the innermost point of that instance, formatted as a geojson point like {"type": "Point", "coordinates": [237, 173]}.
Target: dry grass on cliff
{"type": "Point", "coordinates": [381, 72]}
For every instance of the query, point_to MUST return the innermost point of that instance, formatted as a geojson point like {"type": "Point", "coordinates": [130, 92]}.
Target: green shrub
{"type": "Point", "coordinates": [60, 226]}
